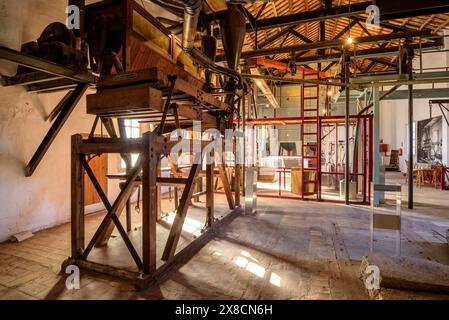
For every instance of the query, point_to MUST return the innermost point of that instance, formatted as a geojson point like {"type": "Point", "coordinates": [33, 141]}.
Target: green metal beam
{"type": "Point", "coordinates": [46, 66]}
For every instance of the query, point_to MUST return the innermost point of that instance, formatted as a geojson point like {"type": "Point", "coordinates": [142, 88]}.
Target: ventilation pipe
{"type": "Point", "coordinates": [192, 9]}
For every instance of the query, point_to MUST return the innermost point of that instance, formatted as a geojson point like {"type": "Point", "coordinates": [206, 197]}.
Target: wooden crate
{"type": "Point", "coordinates": [296, 181]}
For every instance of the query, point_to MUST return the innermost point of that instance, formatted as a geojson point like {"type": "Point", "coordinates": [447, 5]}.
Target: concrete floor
{"type": "Point", "coordinates": [289, 250]}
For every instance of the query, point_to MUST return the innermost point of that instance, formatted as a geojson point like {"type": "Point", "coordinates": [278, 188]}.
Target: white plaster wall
{"type": "Point", "coordinates": [394, 121]}
{"type": "Point", "coordinates": [43, 200]}
{"type": "Point", "coordinates": [394, 113]}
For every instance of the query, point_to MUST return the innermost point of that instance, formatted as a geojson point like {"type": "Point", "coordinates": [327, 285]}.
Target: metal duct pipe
{"type": "Point", "coordinates": [192, 9]}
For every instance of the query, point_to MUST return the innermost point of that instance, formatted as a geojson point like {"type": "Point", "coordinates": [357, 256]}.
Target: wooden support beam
{"type": "Point", "coordinates": [273, 38]}
{"type": "Point", "coordinates": [77, 200]}
{"type": "Point", "coordinates": [300, 36]}
{"type": "Point", "coordinates": [149, 210]}
{"type": "Point", "coordinates": [167, 106]}
{"type": "Point", "coordinates": [338, 43]}
{"type": "Point", "coordinates": [237, 181]}
{"type": "Point", "coordinates": [158, 192]}
{"type": "Point", "coordinates": [261, 10]}
{"type": "Point", "coordinates": [55, 112]}
{"type": "Point", "coordinates": [172, 181]}
{"type": "Point", "coordinates": [310, 16]}
{"type": "Point", "coordinates": [111, 146]}
{"type": "Point", "coordinates": [210, 194]}
{"type": "Point", "coordinates": [345, 29]}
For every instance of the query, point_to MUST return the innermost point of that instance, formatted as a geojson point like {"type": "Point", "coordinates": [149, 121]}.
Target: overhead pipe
{"type": "Point", "coordinates": [192, 9]}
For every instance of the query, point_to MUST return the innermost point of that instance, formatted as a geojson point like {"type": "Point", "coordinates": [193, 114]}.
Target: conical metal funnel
{"type": "Point", "coordinates": [233, 29]}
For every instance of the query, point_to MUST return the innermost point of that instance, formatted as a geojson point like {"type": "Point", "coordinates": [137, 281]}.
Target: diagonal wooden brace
{"type": "Point", "coordinates": [181, 213]}
{"type": "Point", "coordinates": [119, 204]}
{"type": "Point", "coordinates": [110, 216]}
{"type": "Point", "coordinates": [226, 185]}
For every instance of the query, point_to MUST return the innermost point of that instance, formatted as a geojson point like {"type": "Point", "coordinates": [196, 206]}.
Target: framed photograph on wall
{"type": "Point", "coordinates": [430, 140]}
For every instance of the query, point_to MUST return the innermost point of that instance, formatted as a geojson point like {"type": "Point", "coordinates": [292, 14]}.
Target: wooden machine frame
{"type": "Point", "coordinates": [150, 148]}
{"type": "Point", "coordinates": [154, 87]}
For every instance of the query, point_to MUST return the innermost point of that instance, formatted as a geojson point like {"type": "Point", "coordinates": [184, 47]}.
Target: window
{"type": "Point", "coordinates": [132, 131]}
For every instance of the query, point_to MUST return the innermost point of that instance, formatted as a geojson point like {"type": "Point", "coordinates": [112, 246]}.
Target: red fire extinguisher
{"type": "Point", "coordinates": [400, 152]}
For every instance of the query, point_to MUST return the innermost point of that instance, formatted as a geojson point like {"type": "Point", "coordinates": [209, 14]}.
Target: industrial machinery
{"type": "Point", "coordinates": [140, 70]}
{"type": "Point", "coordinates": [57, 44]}
{"type": "Point", "coordinates": [147, 74]}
